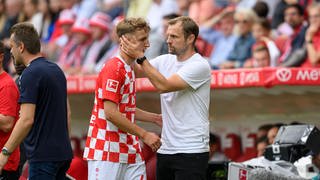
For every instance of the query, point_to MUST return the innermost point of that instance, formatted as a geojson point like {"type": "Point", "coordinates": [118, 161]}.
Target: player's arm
{"type": "Point", "coordinates": [146, 116]}
{"type": "Point", "coordinates": [6, 123]}
{"type": "Point", "coordinates": [22, 127]}
{"type": "Point", "coordinates": [162, 84]}
{"type": "Point", "coordinates": [113, 115]}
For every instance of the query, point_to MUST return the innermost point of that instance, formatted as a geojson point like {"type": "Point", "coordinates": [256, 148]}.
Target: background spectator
{"type": "Point", "coordinates": [312, 37]}
{"type": "Point", "coordinates": [84, 9]}
{"type": "Point", "coordinates": [272, 133]}
{"type": "Point", "coordinates": [67, 4]}
{"type": "Point", "coordinates": [183, 7]}
{"type": "Point", "coordinates": [279, 17]}
{"type": "Point", "coordinates": [262, 143]}
{"type": "Point", "coordinates": [201, 10]}
{"type": "Point", "coordinates": [261, 31]}
{"type": "Point", "coordinates": [73, 54]}
{"type": "Point", "coordinates": [114, 47]}
{"type": "Point", "coordinates": [157, 10]}
{"type": "Point", "coordinates": [44, 21]}
{"type": "Point", "coordinates": [65, 21]}
{"type": "Point", "coordinates": [261, 9]}
{"type": "Point", "coordinates": [100, 25]}
{"type": "Point", "coordinates": [113, 8]}
{"type": "Point", "coordinates": [263, 130]}
{"type": "Point", "coordinates": [219, 32]}
{"type": "Point", "coordinates": [139, 8]}
{"type": "Point", "coordinates": [294, 16]}
{"type": "Point", "coordinates": [261, 56]}
{"type": "Point", "coordinates": [2, 14]}
{"type": "Point", "coordinates": [245, 4]}
{"type": "Point", "coordinates": [30, 8]}
{"type": "Point", "coordinates": [244, 19]}
{"type": "Point", "coordinates": [158, 40]}
{"type": "Point", "coordinates": [215, 154]}
{"type": "Point", "coordinates": [14, 14]}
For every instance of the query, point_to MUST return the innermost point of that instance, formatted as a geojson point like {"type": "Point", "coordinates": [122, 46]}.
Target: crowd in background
{"type": "Point", "coordinates": [79, 34]}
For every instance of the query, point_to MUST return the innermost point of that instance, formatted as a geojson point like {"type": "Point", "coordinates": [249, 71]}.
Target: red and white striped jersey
{"type": "Point", "coordinates": [105, 141]}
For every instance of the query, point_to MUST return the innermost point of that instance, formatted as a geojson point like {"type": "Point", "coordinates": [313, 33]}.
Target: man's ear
{"type": "Point", "coordinates": [21, 47]}
{"type": "Point", "coordinates": [191, 38]}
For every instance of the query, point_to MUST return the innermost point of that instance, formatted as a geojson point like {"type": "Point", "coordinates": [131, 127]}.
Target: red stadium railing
{"type": "Point", "coordinates": [235, 78]}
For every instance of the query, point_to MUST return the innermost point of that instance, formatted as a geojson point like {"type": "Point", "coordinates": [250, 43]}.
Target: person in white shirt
{"type": "Point", "coordinates": [183, 79]}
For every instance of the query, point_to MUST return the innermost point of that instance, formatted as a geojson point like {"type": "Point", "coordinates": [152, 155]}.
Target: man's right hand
{"type": "Point", "coordinates": [152, 140]}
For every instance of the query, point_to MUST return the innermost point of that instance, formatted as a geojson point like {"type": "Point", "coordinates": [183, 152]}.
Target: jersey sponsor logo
{"type": "Point", "coordinates": [112, 85]}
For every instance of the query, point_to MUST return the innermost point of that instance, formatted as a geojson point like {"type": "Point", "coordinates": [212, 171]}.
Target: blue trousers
{"type": "Point", "coordinates": [52, 170]}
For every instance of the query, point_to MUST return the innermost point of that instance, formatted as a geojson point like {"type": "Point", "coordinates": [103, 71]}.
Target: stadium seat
{"type": "Point", "coordinates": [232, 148]}
{"type": "Point", "coordinates": [204, 48]}
{"type": "Point", "coordinates": [78, 169]}
{"type": "Point", "coordinates": [250, 150]}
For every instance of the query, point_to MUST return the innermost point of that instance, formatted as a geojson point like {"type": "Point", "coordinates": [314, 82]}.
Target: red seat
{"type": "Point", "coordinates": [78, 169]}
{"type": "Point", "coordinates": [232, 146]}
{"type": "Point", "coordinates": [204, 48]}
{"type": "Point", "coordinates": [250, 150]}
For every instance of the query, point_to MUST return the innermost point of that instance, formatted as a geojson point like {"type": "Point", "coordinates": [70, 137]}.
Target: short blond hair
{"type": "Point", "coordinates": [130, 25]}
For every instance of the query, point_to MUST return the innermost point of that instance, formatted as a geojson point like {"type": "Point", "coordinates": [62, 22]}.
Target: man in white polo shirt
{"type": "Point", "coordinates": [183, 77]}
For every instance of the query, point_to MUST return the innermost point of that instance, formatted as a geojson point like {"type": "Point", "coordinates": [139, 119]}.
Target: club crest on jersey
{"type": "Point", "coordinates": [112, 85]}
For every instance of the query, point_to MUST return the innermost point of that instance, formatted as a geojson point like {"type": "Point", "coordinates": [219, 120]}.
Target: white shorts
{"type": "Point", "coordinates": [101, 170]}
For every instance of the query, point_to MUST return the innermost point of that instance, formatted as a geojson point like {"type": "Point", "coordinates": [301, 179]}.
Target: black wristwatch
{"type": "Point", "coordinates": [5, 151]}
{"type": "Point", "coordinates": [140, 60]}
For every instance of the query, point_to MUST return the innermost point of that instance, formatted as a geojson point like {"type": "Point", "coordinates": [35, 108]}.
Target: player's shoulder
{"type": "Point", "coordinates": [114, 63]}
